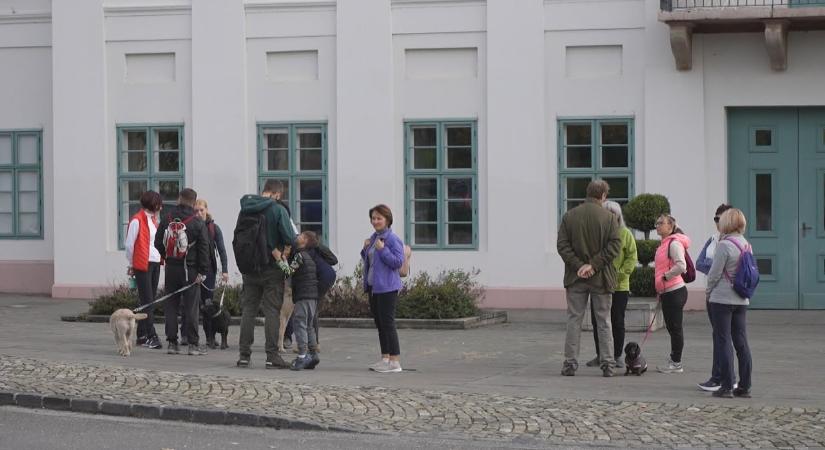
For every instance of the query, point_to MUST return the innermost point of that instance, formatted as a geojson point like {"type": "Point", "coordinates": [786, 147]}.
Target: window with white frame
{"type": "Point", "coordinates": [591, 149]}
{"type": "Point", "coordinates": [441, 195]}
{"type": "Point", "coordinates": [21, 184]}
{"type": "Point", "coordinates": [150, 157]}
{"type": "Point", "coordinates": [296, 155]}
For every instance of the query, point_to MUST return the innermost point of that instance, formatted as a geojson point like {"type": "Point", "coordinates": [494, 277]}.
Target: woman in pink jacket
{"type": "Point", "coordinates": [670, 265]}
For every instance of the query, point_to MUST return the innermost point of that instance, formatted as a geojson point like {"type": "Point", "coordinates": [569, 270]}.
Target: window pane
{"type": "Point", "coordinates": [316, 228]}
{"type": "Point", "coordinates": [579, 157]}
{"type": "Point", "coordinates": [135, 140]}
{"type": "Point", "coordinates": [614, 134]}
{"type": "Point", "coordinates": [614, 156]}
{"type": "Point", "coordinates": [277, 160]}
{"type": "Point", "coordinates": [28, 224]}
{"type": "Point", "coordinates": [578, 134]}
{"type": "Point", "coordinates": [26, 149]}
{"type": "Point", "coordinates": [169, 190]}
{"type": "Point", "coordinates": [459, 136]}
{"type": "Point", "coordinates": [5, 181]}
{"type": "Point", "coordinates": [460, 211]}
{"type": "Point", "coordinates": [426, 234]}
{"type": "Point", "coordinates": [425, 211]}
{"type": "Point", "coordinates": [28, 202]}
{"type": "Point", "coordinates": [765, 266]}
{"type": "Point", "coordinates": [309, 138]}
{"type": "Point", "coordinates": [276, 139]}
{"type": "Point", "coordinates": [168, 140]}
{"type": "Point", "coordinates": [460, 234]}
{"type": "Point", "coordinates": [135, 162]}
{"type": "Point", "coordinates": [425, 188]}
{"type": "Point", "coordinates": [460, 158]}
{"type": "Point", "coordinates": [764, 202]}
{"type": "Point", "coordinates": [311, 160]}
{"type": "Point", "coordinates": [5, 149]}
{"type": "Point", "coordinates": [424, 158]}
{"type": "Point", "coordinates": [132, 208]}
{"type": "Point", "coordinates": [131, 190]}
{"type": "Point", "coordinates": [424, 137]}
{"type": "Point", "coordinates": [285, 182]}
{"type": "Point", "coordinates": [311, 212]}
{"type": "Point", "coordinates": [168, 161]}
{"type": "Point", "coordinates": [573, 204]}
{"type": "Point", "coordinates": [5, 202]}
{"type": "Point", "coordinates": [460, 188]}
{"type": "Point", "coordinates": [619, 187]}
{"type": "Point", "coordinates": [310, 189]}
{"type": "Point", "coordinates": [763, 138]}
{"type": "Point", "coordinates": [28, 181]}
{"type": "Point", "coordinates": [577, 187]}
{"type": "Point", "coordinates": [6, 223]}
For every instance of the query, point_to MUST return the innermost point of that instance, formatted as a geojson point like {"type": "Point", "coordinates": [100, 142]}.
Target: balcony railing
{"type": "Point", "coordinates": [673, 5]}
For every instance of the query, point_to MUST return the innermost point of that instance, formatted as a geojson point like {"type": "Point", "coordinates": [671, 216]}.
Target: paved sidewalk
{"type": "Point", "coordinates": [499, 382]}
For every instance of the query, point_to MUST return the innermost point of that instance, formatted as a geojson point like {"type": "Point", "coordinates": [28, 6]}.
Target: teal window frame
{"type": "Point", "coordinates": [15, 167]}
{"type": "Point", "coordinates": [595, 170]}
{"type": "Point", "coordinates": [152, 176]}
{"type": "Point", "coordinates": [293, 175]}
{"type": "Point", "coordinates": [442, 174]}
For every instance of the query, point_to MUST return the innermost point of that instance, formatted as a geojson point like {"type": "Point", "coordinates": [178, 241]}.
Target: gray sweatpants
{"type": "Point", "coordinates": [577, 296]}
{"type": "Point", "coordinates": [303, 316]}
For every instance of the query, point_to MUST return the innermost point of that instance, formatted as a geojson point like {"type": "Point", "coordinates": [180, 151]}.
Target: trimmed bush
{"type": "Point", "coordinates": [452, 294]}
{"type": "Point", "coordinates": [123, 297]}
{"type": "Point", "coordinates": [641, 212]}
{"type": "Point", "coordinates": [646, 250]}
{"type": "Point", "coordinates": [641, 282]}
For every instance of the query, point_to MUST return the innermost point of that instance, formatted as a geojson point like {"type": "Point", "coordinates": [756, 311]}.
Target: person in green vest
{"type": "Point", "coordinates": [625, 264]}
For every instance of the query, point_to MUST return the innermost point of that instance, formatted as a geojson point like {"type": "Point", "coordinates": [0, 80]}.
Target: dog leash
{"type": "Point", "coordinates": [220, 305]}
{"type": "Point", "coordinates": [652, 321]}
{"type": "Point", "coordinates": [165, 297]}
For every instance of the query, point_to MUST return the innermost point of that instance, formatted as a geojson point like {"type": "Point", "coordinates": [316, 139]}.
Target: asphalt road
{"type": "Point", "coordinates": [29, 429]}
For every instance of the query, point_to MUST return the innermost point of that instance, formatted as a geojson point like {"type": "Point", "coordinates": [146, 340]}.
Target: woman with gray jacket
{"type": "Point", "coordinates": [727, 309]}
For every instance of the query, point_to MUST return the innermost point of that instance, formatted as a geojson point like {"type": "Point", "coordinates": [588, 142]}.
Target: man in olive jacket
{"type": "Point", "coordinates": [588, 242]}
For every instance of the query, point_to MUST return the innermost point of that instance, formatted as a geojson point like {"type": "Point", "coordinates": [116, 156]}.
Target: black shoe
{"type": "Point", "coordinates": [276, 362]}
{"type": "Point", "coordinates": [607, 371]}
{"type": "Point", "coordinates": [243, 362]}
{"type": "Point", "coordinates": [313, 360]}
{"type": "Point", "coordinates": [184, 341]}
{"type": "Point", "coordinates": [742, 393]}
{"type": "Point", "coordinates": [173, 349]}
{"type": "Point", "coordinates": [709, 386]}
{"type": "Point", "coordinates": [723, 393]}
{"type": "Point", "coordinates": [153, 343]}
{"type": "Point", "coordinates": [301, 363]}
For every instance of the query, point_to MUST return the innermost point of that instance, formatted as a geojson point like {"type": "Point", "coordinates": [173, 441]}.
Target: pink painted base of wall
{"type": "Point", "coordinates": [87, 291]}
{"type": "Point", "coordinates": [26, 277]}
{"type": "Point", "coordinates": [554, 298]}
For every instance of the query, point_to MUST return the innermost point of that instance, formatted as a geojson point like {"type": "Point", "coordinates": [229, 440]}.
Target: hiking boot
{"type": "Point", "coordinates": [741, 392]}
{"type": "Point", "coordinates": [569, 369]}
{"type": "Point", "coordinates": [709, 386]}
{"type": "Point", "coordinates": [196, 350]}
{"type": "Point", "coordinates": [243, 362]}
{"type": "Point", "coordinates": [153, 343]}
{"type": "Point", "coordinates": [314, 360]}
{"type": "Point", "coordinates": [607, 371]}
{"type": "Point", "coordinates": [301, 363]}
{"type": "Point", "coordinates": [172, 348]}
{"type": "Point", "coordinates": [593, 362]}
{"type": "Point", "coordinates": [723, 393]}
{"type": "Point", "coordinates": [671, 367]}
{"type": "Point", "coordinates": [276, 362]}
{"type": "Point", "coordinates": [378, 365]}
{"type": "Point", "coordinates": [391, 367]}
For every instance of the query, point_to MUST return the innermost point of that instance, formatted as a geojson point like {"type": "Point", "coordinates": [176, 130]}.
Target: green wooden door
{"type": "Point", "coordinates": [776, 175]}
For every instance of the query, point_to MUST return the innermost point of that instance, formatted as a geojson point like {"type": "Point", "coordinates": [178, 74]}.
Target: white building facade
{"type": "Point", "coordinates": [478, 122]}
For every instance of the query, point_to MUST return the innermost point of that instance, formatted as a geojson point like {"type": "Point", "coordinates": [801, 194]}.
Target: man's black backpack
{"type": "Point", "coordinates": [249, 243]}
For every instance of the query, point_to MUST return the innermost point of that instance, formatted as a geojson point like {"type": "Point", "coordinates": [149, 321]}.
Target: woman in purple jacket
{"type": "Point", "coordinates": [383, 255]}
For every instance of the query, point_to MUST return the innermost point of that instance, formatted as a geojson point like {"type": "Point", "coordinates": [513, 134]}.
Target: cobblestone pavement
{"type": "Point", "coordinates": [466, 415]}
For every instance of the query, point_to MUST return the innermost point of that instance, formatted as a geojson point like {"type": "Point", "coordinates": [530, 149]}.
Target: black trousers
{"type": "Point", "coordinates": [147, 286]}
{"type": "Point", "coordinates": [618, 306]}
{"type": "Point", "coordinates": [382, 307]}
{"type": "Point", "coordinates": [673, 305]}
{"type": "Point", "coordinates": [188, 301]}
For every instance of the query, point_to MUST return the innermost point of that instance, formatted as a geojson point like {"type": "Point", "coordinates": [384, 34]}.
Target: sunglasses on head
{"type": "Point", "coordinates": [716, 219]}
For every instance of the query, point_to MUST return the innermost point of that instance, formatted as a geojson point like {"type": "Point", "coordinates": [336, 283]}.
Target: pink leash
{"type": "Point", "coordinates": [652, 321]}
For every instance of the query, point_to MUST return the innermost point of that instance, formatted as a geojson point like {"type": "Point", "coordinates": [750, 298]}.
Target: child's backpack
{"type": "Point", "coordinates": [175, 239]}
{"type": "Point", "coordinates": [689, 276]}
{"type": "Point", "coordinates": [747, 273]}
{"type": "Point", "coordinates": [404, 271]}
{"type": "Point", "coordinates": [249, 243]}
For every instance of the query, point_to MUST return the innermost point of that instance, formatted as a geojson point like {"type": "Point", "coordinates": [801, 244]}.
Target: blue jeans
{"type": "Point", "coordinates": [729, 325]}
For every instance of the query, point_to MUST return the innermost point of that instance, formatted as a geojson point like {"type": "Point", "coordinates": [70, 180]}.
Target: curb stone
{"type": "Point", "coordinates": [57, 403]}
{"type": "Point", "coordinates": [83, 405]}
{"type": "Point", "coordinates": [115, 408]}
{"type": "Point", "coordinates": [29, 400]}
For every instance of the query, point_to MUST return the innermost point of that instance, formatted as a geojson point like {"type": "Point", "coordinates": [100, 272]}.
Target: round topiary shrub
{"type": "Point", "coordinates": [641, 212]}
{"type": "Point", "coordinates": [646, 250]}
{"type": "Point", "coordinates": [641, 282]}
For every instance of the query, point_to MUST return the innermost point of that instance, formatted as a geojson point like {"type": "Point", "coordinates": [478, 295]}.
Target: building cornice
{"type": "Point", "coordinates": [25, 17]}
{"type": "Point", "coordinates": [148, 10]}
{"type": "Point", "coordinates": [435, 3]}
{"type": "Point", "coordinates": [260, 6]}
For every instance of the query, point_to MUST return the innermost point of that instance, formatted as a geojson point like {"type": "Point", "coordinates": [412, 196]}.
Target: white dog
{"type": "Point", "coordinates": [124, 327]}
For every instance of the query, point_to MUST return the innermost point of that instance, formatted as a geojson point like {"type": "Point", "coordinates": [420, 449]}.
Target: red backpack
{"type": "Point", "coordinates": [690, 273]}
{"type": "Point", "coordinates": [175, 239]}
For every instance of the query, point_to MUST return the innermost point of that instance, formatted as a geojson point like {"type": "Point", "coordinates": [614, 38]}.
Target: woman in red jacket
{"type": "Point", "coordinates": [144, 262]}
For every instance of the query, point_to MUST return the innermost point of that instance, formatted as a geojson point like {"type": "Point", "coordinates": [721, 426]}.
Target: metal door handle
{"type": "Point", "coordinates": [805, 228]}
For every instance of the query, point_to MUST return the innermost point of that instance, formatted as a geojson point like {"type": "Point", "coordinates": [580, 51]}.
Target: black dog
{"type": "Point", "coordinates": [215, 320]}
{"type": "Point", "coordinates": [634, 361]}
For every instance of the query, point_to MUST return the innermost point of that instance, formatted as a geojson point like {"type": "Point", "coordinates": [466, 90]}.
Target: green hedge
{"type": "Point", "coordinates": [124, 297]}
{"type": "Point", "coordinates": [646, 250]}
{"type": "Point", "coordinates": [641, 282]}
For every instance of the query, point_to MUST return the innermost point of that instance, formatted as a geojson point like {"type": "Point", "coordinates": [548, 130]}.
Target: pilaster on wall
{"type": "Point", "coordinates": [369, 165]}
{"type": "Point", "coordinates": [79, 118]}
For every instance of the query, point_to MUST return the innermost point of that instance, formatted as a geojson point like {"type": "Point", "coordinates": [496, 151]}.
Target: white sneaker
{"type": "Point", "coordinates": [380, 364]}
{"type": "Point", "coordinates": [391, 367]}
{"type": "Point", "coordinates": [671, 367]}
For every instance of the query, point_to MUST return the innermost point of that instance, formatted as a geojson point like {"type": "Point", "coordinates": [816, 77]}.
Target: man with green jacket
{"type": "Point", "coordinates": [588, 242]}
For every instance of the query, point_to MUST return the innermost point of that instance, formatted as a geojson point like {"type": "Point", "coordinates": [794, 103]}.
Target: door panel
{"type": "Point", "coordinates": [812, 208]}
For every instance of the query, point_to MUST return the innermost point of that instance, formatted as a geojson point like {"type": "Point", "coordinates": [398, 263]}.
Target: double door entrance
{"type": "Point", "coordinates": [776, 176]}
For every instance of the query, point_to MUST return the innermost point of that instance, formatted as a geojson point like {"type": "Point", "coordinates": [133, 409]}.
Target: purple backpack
{"type": "Point", "coordinates": [747, 274]}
